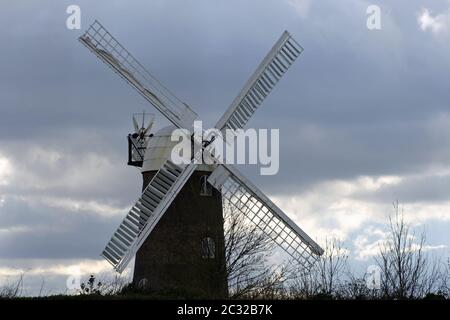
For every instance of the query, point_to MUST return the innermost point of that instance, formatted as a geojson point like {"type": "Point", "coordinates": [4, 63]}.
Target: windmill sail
{"type": "Point", "coordinates": [111, 52]}
{"type": "Point", "coordinates": [146, 213]}
{"type": "Point", "coordinates": [246, 197]}
{"type": "Point", "coordinates": [261, 83]}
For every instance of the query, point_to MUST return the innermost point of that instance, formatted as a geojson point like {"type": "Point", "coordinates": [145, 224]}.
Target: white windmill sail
{"type": "Point", "coordinates": [111, 52]}
{"type": "Point", "coordinates": [248, 199]}
{"type": "Point", "coordinates": [263, 80]}
{"type": "Point", "coordinates": [146, 213]}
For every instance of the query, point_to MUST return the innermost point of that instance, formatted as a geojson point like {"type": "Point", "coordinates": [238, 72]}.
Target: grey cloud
{"type": "Point", "coordinates": [38, 231]}
{"type": "Point", "coordinates": [430, 189]}
{"type": "Point", "coordinates": [69, 172]}
{"type": "Point", "coordinates": [367, 92]}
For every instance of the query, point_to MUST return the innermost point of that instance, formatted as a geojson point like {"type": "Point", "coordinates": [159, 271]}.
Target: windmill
{"type": "Point", "coordinates": [171, 220]}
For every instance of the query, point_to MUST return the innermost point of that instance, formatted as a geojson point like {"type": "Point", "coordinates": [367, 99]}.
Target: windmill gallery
{"type": "Point", "coordinates": [175, 229]}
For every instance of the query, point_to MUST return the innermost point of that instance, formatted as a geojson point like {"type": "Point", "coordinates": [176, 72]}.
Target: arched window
{"type": "Point", "coordinates": [208, 248]}
{"type": "Point", "coordinates": [205, 187]}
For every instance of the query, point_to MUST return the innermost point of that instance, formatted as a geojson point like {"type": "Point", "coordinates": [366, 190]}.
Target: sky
{"type": "Point", "coordinates": [363, 115]}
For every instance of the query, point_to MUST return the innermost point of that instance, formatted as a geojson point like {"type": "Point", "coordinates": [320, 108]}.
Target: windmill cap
{"type": "Point", "coordinates": [159, 149]}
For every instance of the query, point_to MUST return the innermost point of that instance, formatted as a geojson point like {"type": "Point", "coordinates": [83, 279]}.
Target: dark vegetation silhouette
{"type": "Point", "coordinates": [405, 270]}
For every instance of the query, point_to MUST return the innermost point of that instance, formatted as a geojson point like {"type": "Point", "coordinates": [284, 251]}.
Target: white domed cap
{"type": "Point", "coordinates": [159, 149]}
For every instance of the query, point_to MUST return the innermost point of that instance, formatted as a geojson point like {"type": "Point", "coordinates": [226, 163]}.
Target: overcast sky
{"type": "Point", "coordinates": [364, 118]}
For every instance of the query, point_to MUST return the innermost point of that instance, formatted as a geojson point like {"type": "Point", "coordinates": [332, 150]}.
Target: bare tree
{"type": "Point", "coordinates": [332, 266]}
{"type": "Point", "coordinates": [13, 290]}
{"type": "Point", "coordinates": [326, 277]}
{"type": "Point", "coordinates": [247, 254]}
{"type": "Point", "coordinates": [305, 285]}
{"type": "Point", "coordinates": [444, 287]}
{"type": "Point", "coordinates": [355, 288]}
{"type": "Point", "coordinates": [406, 271]}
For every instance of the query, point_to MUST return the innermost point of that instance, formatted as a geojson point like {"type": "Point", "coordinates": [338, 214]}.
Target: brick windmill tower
{"type": "Point", "coordinates": [195, 265]}
{"type": "Point", "coordinates": [175, 228]}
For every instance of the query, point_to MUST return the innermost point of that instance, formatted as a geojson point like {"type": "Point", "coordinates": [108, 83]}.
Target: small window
{"type": "Point", "coordinates": [205, 187]}
{"type": "Point", "coordinates": [208, 248]}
